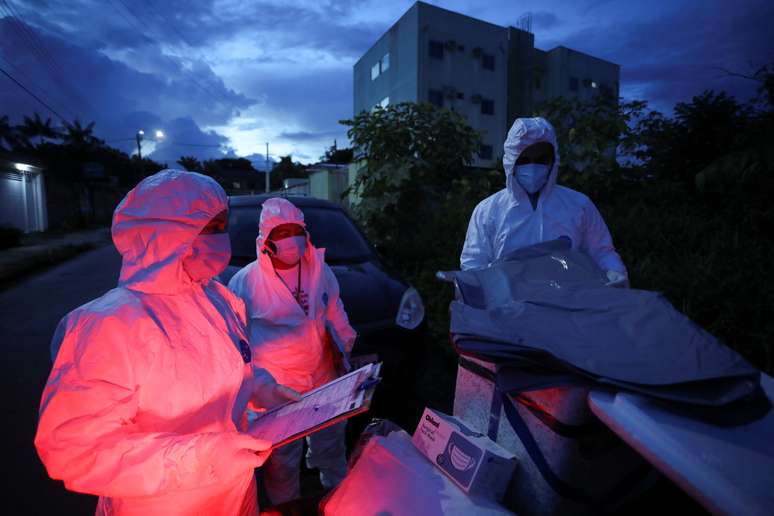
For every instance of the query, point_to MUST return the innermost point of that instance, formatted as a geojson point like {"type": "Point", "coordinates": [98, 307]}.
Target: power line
{"type": "Point", "coordinates": [169, 23]}
{"type": "Point", "coordinates": [39, 49]}
{"type": "Point", "coordinates": [22, 86]}
{"type": "Point", "coordinates": [129, 21]}
{"type": "Point", "coordinates": [23, 76]}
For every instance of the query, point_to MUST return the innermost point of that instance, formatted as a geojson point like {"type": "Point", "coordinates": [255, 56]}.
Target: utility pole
{"type": "Point", "coordinates": [139, 143]}
{"type": "Point", "coordinates": [267, 167]}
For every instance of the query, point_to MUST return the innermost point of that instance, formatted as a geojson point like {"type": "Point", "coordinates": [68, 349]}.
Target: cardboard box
{"type": "Point", "coordinates": [471, 460]}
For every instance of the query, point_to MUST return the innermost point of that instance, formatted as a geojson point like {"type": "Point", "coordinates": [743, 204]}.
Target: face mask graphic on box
{"type": "Point", "coordinates": [459, 459]}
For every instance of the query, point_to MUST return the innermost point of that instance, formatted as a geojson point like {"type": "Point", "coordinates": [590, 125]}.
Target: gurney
{"type": "Point", "coordinates": [552, 361]}
{"type": "Point", "coordinates": [729, 469]}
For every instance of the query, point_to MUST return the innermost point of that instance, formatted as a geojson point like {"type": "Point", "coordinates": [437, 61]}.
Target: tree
{"type": "Point", "coordinates": [285, 168]}
{"type": "Point", "coordinates": [409, 155]}
{"type": "Point", "coordinates": [190, 163]}
{"type": "Point", "coordinates": [711, 125]}
{"type": "Point", "coordinates": [35, 130]}
{"type": "Point", "coordinates": [338, 156]}
{"type": "Point", "coordinates": [8, 133]}
{"type": "Point", "coordinates": [594, 136]}
{"type": "Point", "coordinates": [80, 137]}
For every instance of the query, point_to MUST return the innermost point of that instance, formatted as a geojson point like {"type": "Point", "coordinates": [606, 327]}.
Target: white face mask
{"type": "Point", "coordinates": [532, 177]}
{"type": "Point", "coordinates": [290, 250]}
{"type": "Point", "coordinates": [209, 256]}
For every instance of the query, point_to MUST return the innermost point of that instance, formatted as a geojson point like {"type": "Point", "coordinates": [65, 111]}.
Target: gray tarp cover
{"type": "Point", "coordinates": [545, 309]}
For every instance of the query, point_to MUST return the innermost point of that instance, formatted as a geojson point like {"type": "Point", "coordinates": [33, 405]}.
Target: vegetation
{"type": "Point", "coordinates": [687, 199]}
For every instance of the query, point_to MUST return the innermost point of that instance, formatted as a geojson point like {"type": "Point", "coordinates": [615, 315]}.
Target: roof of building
{"type": "Point", "coordinates": [15, 157]}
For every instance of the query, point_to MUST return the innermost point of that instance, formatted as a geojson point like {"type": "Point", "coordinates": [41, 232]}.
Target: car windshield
{"type": "Point", "coordinates": [328, 228]}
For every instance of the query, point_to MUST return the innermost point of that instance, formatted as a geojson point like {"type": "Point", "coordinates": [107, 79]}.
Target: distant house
{"type": "Point", "coordinates": [295, 186]}
{"type": "Point", "coordinates": [22, 194]}
{"type": "Point", "coordinates": [329, 181]}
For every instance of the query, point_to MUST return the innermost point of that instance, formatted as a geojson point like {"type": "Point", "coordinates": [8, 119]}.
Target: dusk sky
{"type": "Point", "coordinates": [228, 76]}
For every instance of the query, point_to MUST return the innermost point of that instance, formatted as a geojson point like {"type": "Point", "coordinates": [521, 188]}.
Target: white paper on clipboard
{"type": "Point", "coordinates": [333, 400]}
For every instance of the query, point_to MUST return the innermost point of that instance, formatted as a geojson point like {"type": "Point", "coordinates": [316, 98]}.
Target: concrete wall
{"type": "Point", "coordinates": [399, 82]}
{"type": "Point", "coordinates": [461, 71]}
{"type": "Point", "coordinates": [329, 184]}
{"type": "Point", "coordinates": [521, 57]}
{"type": "Point", "coordinates": [522, 77]}
{"type": "Point", "coordinates": [593, 75]}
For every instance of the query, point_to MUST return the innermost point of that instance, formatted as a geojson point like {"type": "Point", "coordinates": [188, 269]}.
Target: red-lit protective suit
{"type": "Point", "coordinates": [148, 381]}
{"type": "Point", "coordinates": [291, 345]}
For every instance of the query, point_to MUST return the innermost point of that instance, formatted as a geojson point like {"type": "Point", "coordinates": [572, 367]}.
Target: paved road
{"type": "Point", "coordinates": [29, 313]}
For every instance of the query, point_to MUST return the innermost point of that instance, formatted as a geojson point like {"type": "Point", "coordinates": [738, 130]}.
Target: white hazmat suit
{"type": "Point", "coordinates": [291, 345]}
{"type": "Point", "coordinates": [506, 220]}
{"type": "Point", "coordinates": [151, 379]}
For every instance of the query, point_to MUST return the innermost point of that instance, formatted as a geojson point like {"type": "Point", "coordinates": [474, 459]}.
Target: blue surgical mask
{"type": "Point", "coordinates": [291, 249]}
{"type": "Point", "coordinates": [532, 177]}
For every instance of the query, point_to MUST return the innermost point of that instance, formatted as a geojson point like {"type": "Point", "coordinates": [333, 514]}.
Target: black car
{"type": "Point", "coordinates": [386, 312]}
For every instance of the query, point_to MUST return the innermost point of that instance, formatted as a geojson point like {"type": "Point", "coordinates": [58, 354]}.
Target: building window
{"type": "Point", "coordinates": [488, 62]}
{"type": "Point", "coordinates": [385, 102]}
{"type": "Point", "coordinates": [385, 62]}
{"type": "Point", "coordinates": [436, 49]}
{"type": "Point", "coordinates": [485, 152]}
{"type": "Point", "coordinates": [487, 106]}
{"type": "Point", "coordinates": [435, 97]}
{"type": "Point", "coordinates": [375, 71]}
{"type": "Point", "coordinates": [573, 84]}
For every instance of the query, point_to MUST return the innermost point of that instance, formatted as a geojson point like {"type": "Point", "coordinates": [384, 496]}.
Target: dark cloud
{"type": "Point", "coordinates": [80, 82]}
{"type": "Point", "coordinates": [545, 20]}
{"type": "Point", "coordinates": [259, 161]}
{"type": "Point", "coordinates": [287, 67]}
{"type": "Point", "coordinates": [125, 24]}
{"type": "Point", "coordinates": [184, 137]}
{"type": "Point", "coordinates": [679, 54]}
{"type": "Point", "coordinates": [314, 100]}
{"type": "Point", "coordinates": [304, 136]}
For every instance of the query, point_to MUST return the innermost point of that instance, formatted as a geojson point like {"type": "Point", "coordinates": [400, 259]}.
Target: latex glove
{"type": "Point", "coordinates": [233, 453]}
{"type": "Point", "coordinates": [616, 279]}
{"type": "Point", "coordinates": [267, 393]}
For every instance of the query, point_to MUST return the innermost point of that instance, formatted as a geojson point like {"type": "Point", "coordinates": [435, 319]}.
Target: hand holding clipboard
{"type": "Point", "coordinates": [335, 401]}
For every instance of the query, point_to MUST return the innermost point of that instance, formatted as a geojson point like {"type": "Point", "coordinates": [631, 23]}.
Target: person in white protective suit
{"type": "Point", "coordinates": [145, 404]}
{"type": "Point", "coordinates": [295, 318]}
{"type": "Point", "coordinates": [533, 208]}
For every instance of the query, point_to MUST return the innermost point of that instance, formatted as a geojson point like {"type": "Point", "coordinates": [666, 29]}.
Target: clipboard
{"type": "Point", "coordinates": [319, 408]}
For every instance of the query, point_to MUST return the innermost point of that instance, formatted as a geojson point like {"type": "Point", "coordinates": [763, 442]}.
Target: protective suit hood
{"type": "Point", "coordinates": [506, 220]}
{"type": "Point", "coordinates": [155, 225]}
{"type": "Point", "coordinates": [285, 340]}
{"type": "Point", "coordinates": [275, 212]}
{"type": "Point", "coordinates": [523, 133]}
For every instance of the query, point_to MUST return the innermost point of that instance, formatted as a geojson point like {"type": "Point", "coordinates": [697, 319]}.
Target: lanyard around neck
{"type": "Point", "coordinates": [297, 295]}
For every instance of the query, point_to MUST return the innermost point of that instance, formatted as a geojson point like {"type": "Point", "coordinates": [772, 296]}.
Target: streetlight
{"type": "Point", "coordinates": [141, 136]}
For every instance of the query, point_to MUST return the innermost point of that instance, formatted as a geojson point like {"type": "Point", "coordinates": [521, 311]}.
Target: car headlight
{"type": "Point", "coordinates": [411, 311]}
